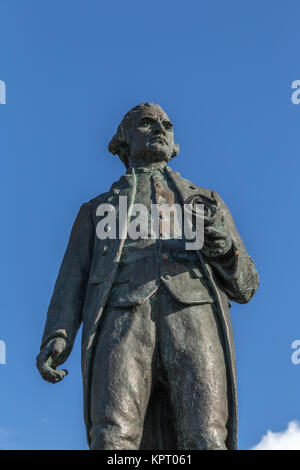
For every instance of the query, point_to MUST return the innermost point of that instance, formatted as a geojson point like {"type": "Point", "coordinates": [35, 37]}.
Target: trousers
{"type": "Point", "coordinates": [159, 378]}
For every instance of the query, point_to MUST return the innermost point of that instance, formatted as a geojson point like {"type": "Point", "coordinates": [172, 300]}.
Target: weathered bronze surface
{"type": "Point", "coordinates": [158, 359]}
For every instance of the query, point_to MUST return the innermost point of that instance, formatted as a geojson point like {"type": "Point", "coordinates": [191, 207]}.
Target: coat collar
{"type": "Point", "coordinates": [159, 166]}
{"type": "Point", "coordinates": [185, 188]}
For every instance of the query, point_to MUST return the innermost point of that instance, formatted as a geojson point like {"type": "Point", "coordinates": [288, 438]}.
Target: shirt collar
{"type": "Point", "coordinates": [148, 170]}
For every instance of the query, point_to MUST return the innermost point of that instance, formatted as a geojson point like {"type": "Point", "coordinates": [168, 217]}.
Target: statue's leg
{"type": "Point", "coordinates": [193, 360]}
{"type": "Point", "coordinates": [121, 377]}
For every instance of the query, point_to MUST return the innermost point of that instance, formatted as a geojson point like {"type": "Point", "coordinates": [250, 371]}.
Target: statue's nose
{"type": "Point", "coordinates": [159, 128]}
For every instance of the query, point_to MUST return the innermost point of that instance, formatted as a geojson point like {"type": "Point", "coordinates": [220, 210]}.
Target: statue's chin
{"type": "Point", "coordinates": [157, 148]}
{"type": "Point", "coordinates": [155, 155]}
{"type": "Point", "coordinates": [160, 153]}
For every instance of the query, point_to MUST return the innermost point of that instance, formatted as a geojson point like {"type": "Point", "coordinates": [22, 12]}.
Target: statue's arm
{"type": "Point", "coordinates": [235, 269]}
{"type": "Point", "coordinates": [65, 310]}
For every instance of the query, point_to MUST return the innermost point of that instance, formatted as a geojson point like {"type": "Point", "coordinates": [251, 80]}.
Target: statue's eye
{"type": "Point", "coordinates": [146, 122]}
{"type": "Point", "coordinates": [167, 125]}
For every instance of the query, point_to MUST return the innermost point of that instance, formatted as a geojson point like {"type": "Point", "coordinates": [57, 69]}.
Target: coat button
{"type": "Point", "coordinates": [165, 256]}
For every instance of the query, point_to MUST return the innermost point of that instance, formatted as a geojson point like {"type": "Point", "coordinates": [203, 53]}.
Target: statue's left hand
{"type": "Point", "coordinates": [217, 239]}
{"type": "Point", "coordinates": [50, 357]}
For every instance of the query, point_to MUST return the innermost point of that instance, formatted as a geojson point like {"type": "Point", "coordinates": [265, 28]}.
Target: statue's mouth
{"type": "Point", "coordinates": [158, 139]}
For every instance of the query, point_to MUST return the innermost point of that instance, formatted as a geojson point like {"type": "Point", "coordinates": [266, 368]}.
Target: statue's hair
{"type": "Point", "coordinates": [119, 144]}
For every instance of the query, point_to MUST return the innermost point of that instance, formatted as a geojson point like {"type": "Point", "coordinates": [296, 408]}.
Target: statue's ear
{"type": "Point", "coordinates": [124, 153]}
{"type": "Point", "coordinates": [176, 150]}
{"type": "Point", "coordinates": [119, 146]}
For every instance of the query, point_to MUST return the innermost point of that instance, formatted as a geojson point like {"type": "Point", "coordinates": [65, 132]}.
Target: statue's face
{"type": "Point", "coordinates": [151, 135]}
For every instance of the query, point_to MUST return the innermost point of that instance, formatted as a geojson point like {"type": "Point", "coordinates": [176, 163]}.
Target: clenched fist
{"type": "Point", "coordinates": [52, 355]}
{"type": "Point", "coordinates": [217, 240]}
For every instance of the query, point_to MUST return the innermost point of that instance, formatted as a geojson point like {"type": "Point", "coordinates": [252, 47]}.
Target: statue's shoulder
{"type": "Point", "coordinates": [95, 201]}
{"type": "Point", "coordinates": [103, 197]}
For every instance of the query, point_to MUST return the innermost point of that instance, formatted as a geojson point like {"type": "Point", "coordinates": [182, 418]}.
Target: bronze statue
{"type": "Point", "coordinates": [158, 358]}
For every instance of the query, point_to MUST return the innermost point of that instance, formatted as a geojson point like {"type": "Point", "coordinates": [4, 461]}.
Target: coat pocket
{"type": "Point", "coordinates": [188, 285]}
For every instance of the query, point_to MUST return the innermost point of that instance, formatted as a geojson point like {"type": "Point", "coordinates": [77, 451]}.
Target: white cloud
{"type": "Point", "coordinates": [7, 439]}
{"type": "Point", "coordinates": [284, 440]}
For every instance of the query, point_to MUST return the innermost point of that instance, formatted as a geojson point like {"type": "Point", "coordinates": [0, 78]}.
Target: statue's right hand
{"type": "Point", "coordinates": [49, 358]}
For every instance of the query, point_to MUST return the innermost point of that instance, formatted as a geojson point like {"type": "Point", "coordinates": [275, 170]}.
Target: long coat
{"type": "Point", "coordinates": [89, 267]}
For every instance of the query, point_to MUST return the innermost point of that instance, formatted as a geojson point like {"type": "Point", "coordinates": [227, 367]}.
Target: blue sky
{"type": "Point", "coordinates": [223, 72]}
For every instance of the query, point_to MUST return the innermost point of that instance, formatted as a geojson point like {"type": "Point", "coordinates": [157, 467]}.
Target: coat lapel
{"type": "Point", "coordinates": [186, 188]}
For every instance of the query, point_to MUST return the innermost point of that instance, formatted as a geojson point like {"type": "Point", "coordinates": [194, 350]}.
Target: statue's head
{"type": "Point", "coordinates": [145, 135]}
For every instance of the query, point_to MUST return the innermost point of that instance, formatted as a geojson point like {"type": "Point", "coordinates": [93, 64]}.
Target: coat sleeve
{"type": "Point", "coordinates": [236, 270]}
{"type": "Point", "coordinates": [64, 314]}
